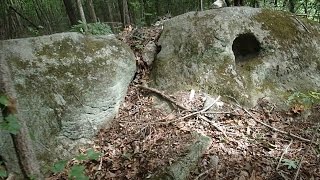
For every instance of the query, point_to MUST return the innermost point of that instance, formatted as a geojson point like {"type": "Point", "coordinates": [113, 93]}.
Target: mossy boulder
{"type": "Point", "coordinates": [243, 52]}
{"type": "Point", "coordinates": [67, 87]}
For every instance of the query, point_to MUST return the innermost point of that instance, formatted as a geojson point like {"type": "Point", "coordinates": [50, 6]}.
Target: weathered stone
{"type": "Point", "coordinates": [243, 52]}
{"type": "Point", "coordinates": [67, 87]}
{"type": "Point", "coordinates": [149, 53]}
{"type": "Point", "coordinates": [181, 169]}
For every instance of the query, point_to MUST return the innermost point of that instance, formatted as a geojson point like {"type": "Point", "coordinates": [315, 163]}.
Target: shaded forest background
{"type": "Point", "coordinates": [24, 18]}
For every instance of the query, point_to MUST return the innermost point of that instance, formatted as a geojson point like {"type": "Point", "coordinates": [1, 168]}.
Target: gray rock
{"type": "Point", "coordinates": [181, 169]}
{"type": "Point", "coordinates": [67, 85]}
{"type": "Point", "coordinates": [149, 52]}
{"type": "Point", "coordinates": [243, 52]}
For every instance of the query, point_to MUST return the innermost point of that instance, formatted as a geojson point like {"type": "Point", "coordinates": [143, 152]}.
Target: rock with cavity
{"type": "Point", "coordinates": [246, 53]}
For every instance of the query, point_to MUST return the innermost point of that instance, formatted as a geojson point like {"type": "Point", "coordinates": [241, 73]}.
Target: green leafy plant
{"type": "Point", "coordinates": [3, 173]}
{"type": "Point", "coordinates": [33, 31]}
{"type": "Point", "coordinates": [10, 122]}
{"type": "Point", "coordinates": [4, 100]}
{"type": "Point", "coordinates": [79, 27]}
{"type": "Point", "coordinates": [291, 164]}
{"type": "Point", "coordinates": [307, 99]}
{"type": "Point", "coordinates": [77, 172]}
{"type": "Point", "coordinates": [90, 155]}
{"type": "Point", "coordinates": [59, 166]}
{"type": "Point", "coordinates": [97, 28]}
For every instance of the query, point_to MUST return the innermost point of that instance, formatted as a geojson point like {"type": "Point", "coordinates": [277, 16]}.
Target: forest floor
{"type": "Point", "coordinates": [257, 143]}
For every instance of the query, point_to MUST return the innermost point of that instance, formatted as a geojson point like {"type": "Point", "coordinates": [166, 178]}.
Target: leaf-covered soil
{"type": "Point", "coordinates": [258, 143]}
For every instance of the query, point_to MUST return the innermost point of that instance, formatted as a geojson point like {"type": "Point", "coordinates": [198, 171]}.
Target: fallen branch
{"type": "Point", "coordinates": [208, 107]}
{"type": "Point", "coordinates": [218, 112]}
{"type": "Point", "coordinates": [214, 125]}
{"type": "Point", "coordinates": [300, 163]}
{"type": "Point", "coordinates": [164, 96]}
{"type": "Point", "coordinates": [273, 128]}
{"type": "Point", "coordinates": [184, 108]}
{"type": "Point", "coordinates": [100, 164]}
{"type": "Point", "coordinates": [204, 173]}
{"type": "Point", "coordinates": [199, 112]}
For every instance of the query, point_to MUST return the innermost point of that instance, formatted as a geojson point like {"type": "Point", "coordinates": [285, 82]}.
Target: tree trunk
{"type": "Point", "coordinates": [22, 141]}
{"type": "Point", "coordinates": [110, 15]}
{"type": "Point", "coordinates": [228, 3]}
{"type": "Point", "coordinates": [126, 13]}
{"type": "Point", "coordinates": [44, 15]}
{"type": "Point", "coordinates": [238, 2]}
{"type": "Point", "coordinates": [70, 12]}
{"type": "Point", "coordinates": [92, 12]}
{"type": "Point", "coordinates": [291, 5]}
{"type": "Point", "coordinates": [121, 12]}
{"type": "Point", "coordinates": [27, 158]}
{"type": "Point", "coordinates": [305, 7]}
{"type": "Point", "coordinates": [17, 17]}
{"type": "Point", "coordinates": [83, 17]}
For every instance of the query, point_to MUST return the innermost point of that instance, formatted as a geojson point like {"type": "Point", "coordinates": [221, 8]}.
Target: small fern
{"type": "Point", "coordinates": [307, 99]}
{"type": "Point", "coordinates": [97, 28]}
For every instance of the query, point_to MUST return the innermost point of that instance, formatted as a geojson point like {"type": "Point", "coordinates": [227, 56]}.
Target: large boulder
{"type": "Point", "coordinates": [243, 52]}
{"type": "Point", "coordinates": [67, 87]}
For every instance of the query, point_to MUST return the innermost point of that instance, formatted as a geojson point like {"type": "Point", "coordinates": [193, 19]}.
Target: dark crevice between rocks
{"type": "Point", "coordinates": [158, 49]}
{"type": "Point", "coordinates": [245, 47]}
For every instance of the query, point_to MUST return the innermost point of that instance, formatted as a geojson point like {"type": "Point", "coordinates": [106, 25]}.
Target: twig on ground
{"type": "Point", "coordinates": [208, 107]}
{"type": "Point", "coordinates": [301, 160]}
{"type": "Point", "coordinates": [184, 108]}
{"type": "Point", "coordinates": [197, 112]}
{"type": "Point", "coordinates": [204, 173]}
{"type": "Point", "coordinates": [284, 152]}
{"type": "Point", "coordinates": [217, 112]}
{"type": "Point", "coordinates": [273, 128]}
{"type": "Point", "coordinates": [164, 96]}
{"type": "Point", "coordinates": [213, 124]}
{"type": "Point", "coordinates": [100, 165]}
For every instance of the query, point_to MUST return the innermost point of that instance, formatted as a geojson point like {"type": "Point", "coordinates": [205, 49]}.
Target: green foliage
{"type": "Point", "coordinates": [4, 100]}
{"type": "Point", "coordinates": [10, 123]}
{"type": "Point", "coordinates": [290, 163]}
{"type": "Point", "coordinates": [307, 99]}
{"type": "Point", "coordinates": [90, 155]}
{"type": "Point", "coordinates": [77, 172]}
{"type": "Point", "coordinates": [59, 166]}
{"type": "Point", "coordinates": [33, 31]}
{"type": "Point", "coordinates": [3, 173]}
{"type": "Point", "coordinates": [79, 27]}
{"type": "Point", "coordinates": [93, 155]}
{"type": "Point", "coordinates": [97, 28]}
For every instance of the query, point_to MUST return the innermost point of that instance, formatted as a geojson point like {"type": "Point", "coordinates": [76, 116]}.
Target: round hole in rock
{"type": "Point", "coordinates": [245, 47]}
